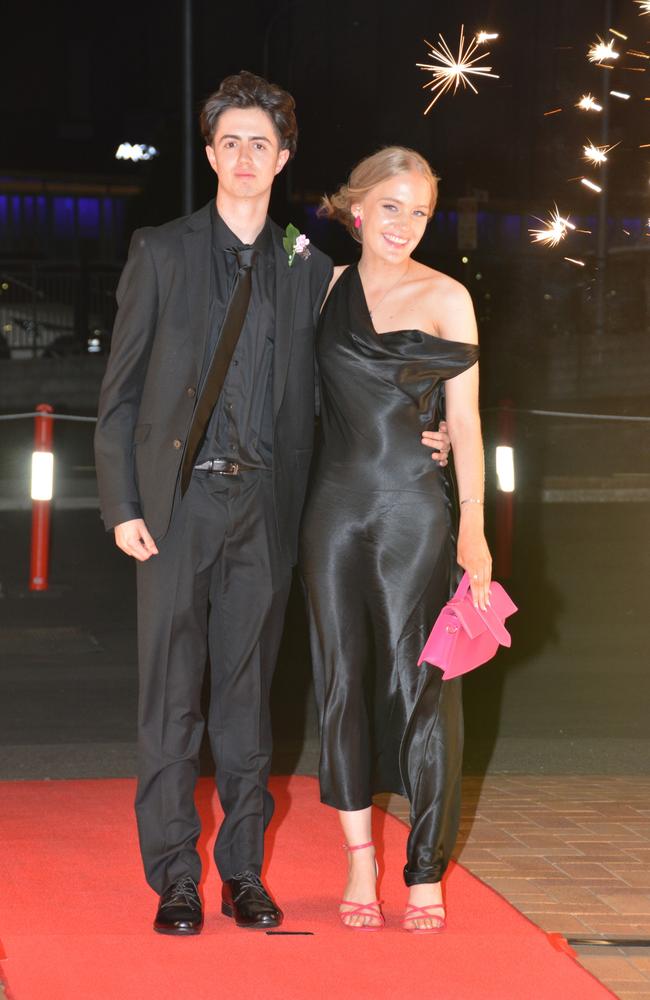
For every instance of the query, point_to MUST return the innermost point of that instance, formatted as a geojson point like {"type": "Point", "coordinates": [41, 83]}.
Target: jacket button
{"type": "Point", "coordinates": [191, 392]}
{"type": "Point", "coordinates": [178, 444]}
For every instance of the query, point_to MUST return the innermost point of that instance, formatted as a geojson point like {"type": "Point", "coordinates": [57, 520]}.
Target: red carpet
{"type": "Point", "coordinates": [75, 915]}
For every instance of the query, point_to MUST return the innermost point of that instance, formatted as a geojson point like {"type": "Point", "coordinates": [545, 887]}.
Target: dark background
{"type": "Point", "coordinates": [80, 78]}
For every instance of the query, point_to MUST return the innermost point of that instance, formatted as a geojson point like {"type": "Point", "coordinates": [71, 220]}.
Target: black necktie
{"type": "Point", "coordinates": [232, 327]}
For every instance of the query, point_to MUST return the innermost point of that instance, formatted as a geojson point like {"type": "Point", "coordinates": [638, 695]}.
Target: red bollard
{"type": "Point", "coordinates": [505, 496]}
{"type": "Point", "coordinates": [40, 558]}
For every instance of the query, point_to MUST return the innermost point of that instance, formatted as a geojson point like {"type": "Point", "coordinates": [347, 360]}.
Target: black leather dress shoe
{"type": "Point", "coordinates": [244, 898]}
{"type": "Point", "coordinates": [180, 910]}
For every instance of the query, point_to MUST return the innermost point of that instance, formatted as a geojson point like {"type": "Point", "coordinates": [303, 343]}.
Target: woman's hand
{"type": "Point", "coordinates": [474, 556]}
{"type": "Point", "coordinates": [439, 443]}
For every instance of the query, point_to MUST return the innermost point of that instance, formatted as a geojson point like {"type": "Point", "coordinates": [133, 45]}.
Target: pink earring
{"type": "Point", "coordinates": [357, 222]}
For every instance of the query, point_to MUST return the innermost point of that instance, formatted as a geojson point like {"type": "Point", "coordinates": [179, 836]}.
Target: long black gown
{"type": "Point", "coordinates": [378, 563]}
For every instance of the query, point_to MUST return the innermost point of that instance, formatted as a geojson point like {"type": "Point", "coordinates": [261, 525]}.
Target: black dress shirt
{"type": "Point", "coordinates": [241, 425]}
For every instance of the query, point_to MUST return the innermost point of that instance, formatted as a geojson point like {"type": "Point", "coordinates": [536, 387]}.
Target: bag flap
{"type": "Point", "coordinates": [496, 626]}
{"type": "Point", "coordinates": [500, 601]}
{"type": "Point", "coordinates": [468, 617]}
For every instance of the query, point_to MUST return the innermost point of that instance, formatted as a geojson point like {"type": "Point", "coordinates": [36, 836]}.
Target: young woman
{"type": "Point", "coordinates": [379, 555]}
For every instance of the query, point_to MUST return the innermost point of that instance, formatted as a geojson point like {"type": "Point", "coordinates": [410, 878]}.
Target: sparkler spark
{"type": "Point", "coordinates": [596, 154]}
{"type": "Point", "coordinates": [589, 103]}
{"type": "Point", "coordinates": [602, 51]}
{"type": "Point", "coordinates": [619, 34]}
{"type": "Point", "coordinates": [620, 95]}
{"type": "Point", "coordinates": [449, 71]}
{"type": "Point", "coordinates": [485, 36]}
{"type": "Point", "coordinates": [590, 184]}
{"type": "Point", "coordinates": [555, 229]}
{"type": "Point", "coordinates": [644, 5]}
{"type": "Point", "coordinates": [572, 260]}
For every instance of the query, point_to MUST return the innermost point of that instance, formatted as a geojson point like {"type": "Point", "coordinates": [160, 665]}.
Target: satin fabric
{"type": "Point", "coordinates": [378, 563]}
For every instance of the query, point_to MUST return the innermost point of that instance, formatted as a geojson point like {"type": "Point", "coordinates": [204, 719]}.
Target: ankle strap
{"type": "Point", "coordinates": [358, 847]}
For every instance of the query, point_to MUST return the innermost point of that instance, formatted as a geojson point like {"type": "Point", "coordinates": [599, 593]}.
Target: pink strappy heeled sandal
{"type": "Point", "coordinates": [372, 910]}
{"type": "Point", "coordinates": [413, 913]}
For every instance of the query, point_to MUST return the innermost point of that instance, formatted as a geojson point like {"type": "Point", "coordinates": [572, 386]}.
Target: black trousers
{"type": "Point", "coordinates": [217, 590]}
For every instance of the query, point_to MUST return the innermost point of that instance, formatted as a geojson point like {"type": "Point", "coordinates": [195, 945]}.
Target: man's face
{"type": "Point", "coordinates": [245, 153]}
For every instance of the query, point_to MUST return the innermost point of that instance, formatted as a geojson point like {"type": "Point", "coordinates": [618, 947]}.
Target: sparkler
{"type": "Point", "coordinates": [602, 51]}
{"type": "Point", "coordinates": [596, 154]}
{"type": "Point", "coordinates": [590, 184]}
{"type": "Point", "coordinates": [620, 95]}
{"type": "Point", "coordinates": [555, 229]}
{"type": "Point", "coordinates": [644, 5]}
{"type": "Point", "coordinates": [572, 260]}
{"type": "Point", "coordinates": [589, 103]}
{"type": "Point", "coordinates": [449, 71]}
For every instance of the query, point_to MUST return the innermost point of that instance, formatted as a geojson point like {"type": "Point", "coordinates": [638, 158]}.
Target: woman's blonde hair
{"type": "Point", "coordinates": [369, 172]}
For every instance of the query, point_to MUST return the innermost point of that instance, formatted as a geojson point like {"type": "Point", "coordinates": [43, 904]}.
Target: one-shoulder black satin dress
{"type": "Point", "coordinates": [378, 563]}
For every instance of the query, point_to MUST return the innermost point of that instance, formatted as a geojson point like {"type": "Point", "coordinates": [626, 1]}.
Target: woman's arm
{"type": "Point", "coordinates": [456, 321]}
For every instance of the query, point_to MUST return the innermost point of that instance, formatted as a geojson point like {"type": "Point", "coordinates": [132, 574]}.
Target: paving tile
{"type": "Point", "coordinates": [640, 879]}
{"type": "Point", "coordinates": [615, 808]}
{"type": "Point", "coordinates": [553, 821]}
{"type": "Point", "coordinates": [612, 969]}
{"type": "Point", "coordinates": [626, 903]}
{"type": "Point", "coordinates": [538, 838]}
{"type": "Point", "coordinates": [509, 884]}
{"type": "Point", "coordinates": [614, 831]}
{"type": "Point", "coordinates": [583, 870]}
{"type": "Point", "coordinates": [617, 924]}
{"type": "Point", "coordinates": [642, 964]}
{"type": "Point", "coordinates": [555, 854]}
{"type": "Point", "coordinates": [560, 923]}
{"type": "Point", "coordinates": [574, 894]}
{"type": "Point", "coordinates": [591, 848]}
{"type": "Point", "coordinates": [584, 911]}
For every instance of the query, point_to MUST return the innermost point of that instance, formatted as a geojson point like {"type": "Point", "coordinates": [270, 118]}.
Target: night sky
{"type": "Point", "coordinates": [80, 78]}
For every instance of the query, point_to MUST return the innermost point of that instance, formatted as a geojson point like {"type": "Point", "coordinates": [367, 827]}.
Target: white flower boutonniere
{"type": "Point", "coordinates": [295, 242]}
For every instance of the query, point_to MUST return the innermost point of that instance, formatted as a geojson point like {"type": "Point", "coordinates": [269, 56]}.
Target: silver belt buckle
{"type": "Point", "coordinates": [233, 471]}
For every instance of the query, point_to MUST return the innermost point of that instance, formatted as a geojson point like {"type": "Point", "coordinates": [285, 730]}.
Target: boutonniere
{"type": "Point", "coordinates": [295, 242]}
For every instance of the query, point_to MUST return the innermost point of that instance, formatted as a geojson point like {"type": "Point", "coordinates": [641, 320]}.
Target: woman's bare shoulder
{"type": "Point", "coordinates": [449, 303]}
{"type": "Point", "coordinates": [441, 285]}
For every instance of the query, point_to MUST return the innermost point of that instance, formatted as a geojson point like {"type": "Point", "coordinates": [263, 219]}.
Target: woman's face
{"type": "Point", "coordinates": [394, 215]}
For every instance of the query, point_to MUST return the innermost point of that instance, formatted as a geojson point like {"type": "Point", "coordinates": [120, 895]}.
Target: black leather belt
{"type": "Point", "coordinates": [224, 467]}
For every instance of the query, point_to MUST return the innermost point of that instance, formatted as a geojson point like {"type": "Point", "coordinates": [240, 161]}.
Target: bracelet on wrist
{"type": "Point", "coordinates": [471, 500]}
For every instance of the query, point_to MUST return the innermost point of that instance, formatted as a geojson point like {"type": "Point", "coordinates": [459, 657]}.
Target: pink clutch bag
{"type": "Point", "coordinates": [463, 636]}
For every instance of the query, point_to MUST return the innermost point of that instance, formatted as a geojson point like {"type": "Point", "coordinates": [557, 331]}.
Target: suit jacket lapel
{"type": "Point", "coordinates": [286, 293]}
{"type": "Point", "coordinates": [197, 246]}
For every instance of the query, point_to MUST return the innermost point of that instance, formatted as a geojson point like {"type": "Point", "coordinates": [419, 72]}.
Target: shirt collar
{"type": "Point", "coordinates": [223, 237]}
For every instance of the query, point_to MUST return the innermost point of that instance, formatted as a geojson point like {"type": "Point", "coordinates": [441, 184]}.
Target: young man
{"type": "Point", "coordinates": [203, 444]}
{"type": "Point", "coordinates": [211, 509]}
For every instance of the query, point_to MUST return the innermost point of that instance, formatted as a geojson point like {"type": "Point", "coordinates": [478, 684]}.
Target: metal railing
{"type": "Point", "coordinates": [55, 309]}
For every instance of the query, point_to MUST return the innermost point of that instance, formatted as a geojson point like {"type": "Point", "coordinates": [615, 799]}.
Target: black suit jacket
{"type": "Point", "coordinates": [149, 390]}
